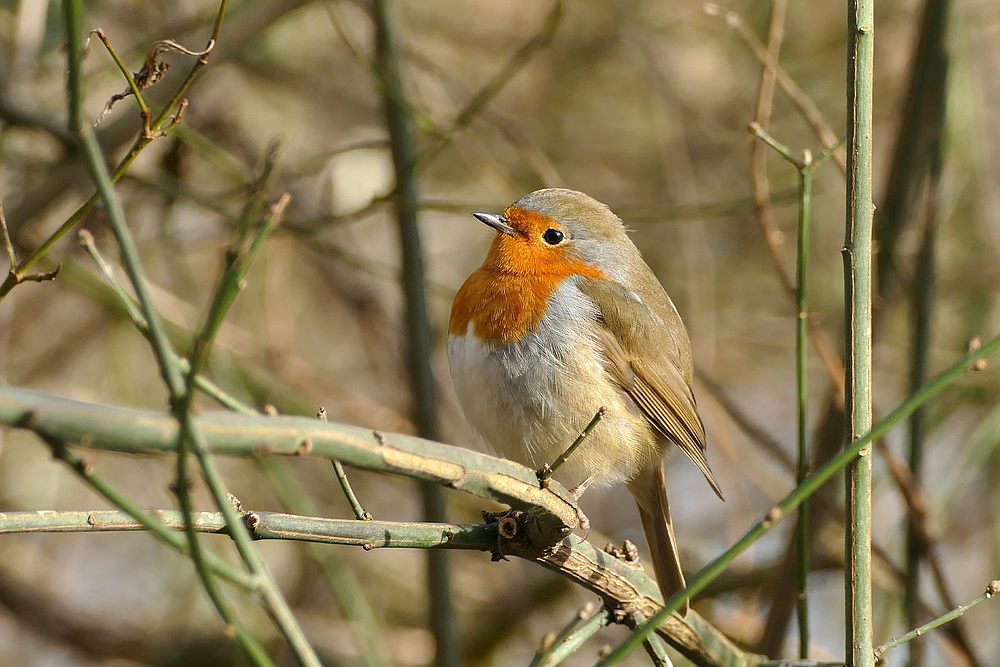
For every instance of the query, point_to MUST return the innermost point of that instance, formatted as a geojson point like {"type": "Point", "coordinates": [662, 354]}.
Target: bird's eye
{"type": "Point", "coordinates": [553, 236]}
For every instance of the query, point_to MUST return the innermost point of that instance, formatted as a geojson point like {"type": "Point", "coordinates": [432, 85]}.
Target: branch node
{"type": "Point", "coordinates": [508, 527]}
{"type": "Point", "coordinates": [252, 520]}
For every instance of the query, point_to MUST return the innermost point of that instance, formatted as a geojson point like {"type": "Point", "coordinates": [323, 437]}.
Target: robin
{"type": "Point", "coordinates": [562, 318]}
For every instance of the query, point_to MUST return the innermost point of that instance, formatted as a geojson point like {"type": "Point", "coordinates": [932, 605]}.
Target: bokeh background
{"type": "Point", "coordinates": [643, 105]}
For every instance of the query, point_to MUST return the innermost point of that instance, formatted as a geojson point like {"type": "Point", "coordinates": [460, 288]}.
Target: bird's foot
{"type": "Point", "coordinates": [577, 491]}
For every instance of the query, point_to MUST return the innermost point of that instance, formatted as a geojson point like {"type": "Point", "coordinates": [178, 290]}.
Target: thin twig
{"type": "Point", "coordinates": [783, 150]}
{"type": "Point", "coordinates": [806, 106]}
{"type": "Point", "coordinates": [202, 383]}
{"type": "Point", "coordinates": [654, 646]}
{"type": "Point", "coordinates": [992, 589]}
{"type": "Point", "coordinates": [5, 236]}
{"type": "Point", "coordinates": [129, 77]}
{"type": "Point", "coordinates": [152, 72]}
{"type": "Point", "coordinates": [545, 472]}
{"type": "Point", "coordinates": [359, 512]}
{"type": "Point", "coordinates": [144, 139]}
{"type": "Point", "coordinates": [248, 643]}
{"type": "Point", "coordinates": [774, 240]}
{"type": "Point", "coordinates": [805, 167]}
{"type": "Point", "coordinates": [584, 625]}
{"type": "Point", "coordinates": [846, 456]}
{"type": "Point", "coordinates": [802, 382]}
{"type": "Point", "coordinates": [15, 275]}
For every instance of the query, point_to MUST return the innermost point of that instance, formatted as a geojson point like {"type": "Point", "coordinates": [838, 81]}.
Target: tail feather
{"type": "Point", "coordinates": [650, 492]}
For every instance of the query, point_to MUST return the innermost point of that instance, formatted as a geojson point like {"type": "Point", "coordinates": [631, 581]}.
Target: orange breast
{"type": "Point", "coordinates": [507, 296]}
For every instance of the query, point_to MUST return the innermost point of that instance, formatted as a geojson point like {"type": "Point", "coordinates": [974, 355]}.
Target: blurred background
{"type": "Point", "coordinates": [643, 105]}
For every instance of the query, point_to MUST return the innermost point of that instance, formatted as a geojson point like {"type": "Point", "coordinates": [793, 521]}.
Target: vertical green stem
{"type": "Point", "coordinates": [130, 258]}
{"type": "Point", "coordinates": [802, 380]}
{"type": "Point", "coordinates": [923, 129]}
{"type": "Point", "coordinates": [419, 333]}
{"type": "Point", "coordinates": [858, 353]}
{"type": "Point", "coordinates": [923, 306]}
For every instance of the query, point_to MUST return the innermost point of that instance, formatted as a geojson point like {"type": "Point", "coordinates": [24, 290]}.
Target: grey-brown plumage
{"type": "Point", "coordinates": [608, 335]}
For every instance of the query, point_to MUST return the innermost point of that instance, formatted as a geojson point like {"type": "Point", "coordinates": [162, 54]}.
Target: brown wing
{"type": "Point", "coordinates": [644, 355]}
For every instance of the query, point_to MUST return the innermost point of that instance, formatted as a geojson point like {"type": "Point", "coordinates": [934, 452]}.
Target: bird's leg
{"type": "Point", "coordinates": [579, 489]}
{"type": "Point", "coordinates": [576, 492]}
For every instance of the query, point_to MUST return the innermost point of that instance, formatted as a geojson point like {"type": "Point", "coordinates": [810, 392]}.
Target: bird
{"type": "Point", "coordinates": [564, 318]}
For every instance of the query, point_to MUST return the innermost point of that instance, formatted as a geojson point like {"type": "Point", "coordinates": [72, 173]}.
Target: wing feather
{"type": "Point", "coordinates": [660, 389]}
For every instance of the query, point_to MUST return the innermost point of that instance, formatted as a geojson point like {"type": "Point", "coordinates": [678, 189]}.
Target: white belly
{"type": "Point", "coordinates": [530, 399]}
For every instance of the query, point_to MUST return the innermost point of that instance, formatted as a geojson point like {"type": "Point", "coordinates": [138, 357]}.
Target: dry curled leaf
{"type": "Point", "coordinates": [152, 71]}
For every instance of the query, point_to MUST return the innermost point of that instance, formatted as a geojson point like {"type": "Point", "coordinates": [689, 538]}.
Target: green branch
{"type": "Point", "coordinates": [135, 431]}
{"type": "Point", "coordinates": [547, 517]}
{"type": "Point", "coordinates": [266, 526]}
{"type": "Point", "coordinates": [858, 300]}
{"type": "Point", "coordinates": [992, 589]}
{"type": "Point", "coordinates": [801, 492]}
{"type": "Point", "coordinates": [151, 130]}
{"type": "Point", "coordinates": [145, 519]}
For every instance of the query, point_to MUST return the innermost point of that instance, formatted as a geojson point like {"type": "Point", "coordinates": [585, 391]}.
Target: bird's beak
{"type": "Point", "coordinates": [497, 222]}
